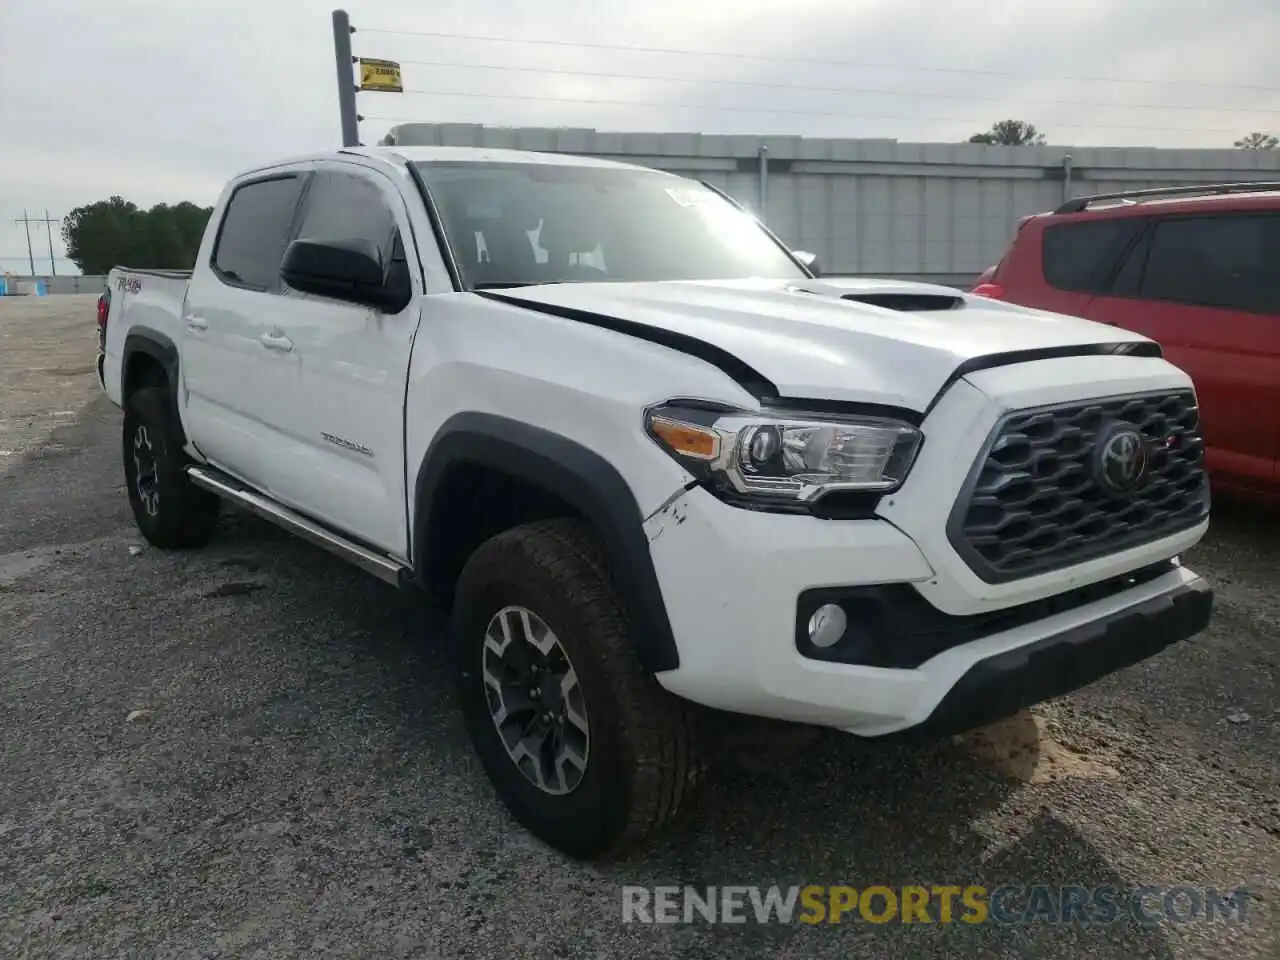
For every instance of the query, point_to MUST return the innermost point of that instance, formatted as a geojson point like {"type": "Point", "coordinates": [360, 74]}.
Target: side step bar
{"type": "Point", "coordinates": [382, 567]}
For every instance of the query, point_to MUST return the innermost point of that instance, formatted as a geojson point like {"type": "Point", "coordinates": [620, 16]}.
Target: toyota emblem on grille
{"type": "Point", "coordinates": [1120, 463]}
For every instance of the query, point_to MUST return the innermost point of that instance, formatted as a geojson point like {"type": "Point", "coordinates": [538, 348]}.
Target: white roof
{"type": "Point", "coordinates": [398, 155]}
{"type": "Point", "coordinates": [487, 155]}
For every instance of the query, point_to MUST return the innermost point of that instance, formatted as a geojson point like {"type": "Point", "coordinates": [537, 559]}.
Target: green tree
{"type": "Point", "coordinates": [190, 221]}
{"type": "Point", "coordinates": [1258, 141]}
{"type": "Point", "coordinates": [97, 236]}
{"type": "Point", "coordinates": [115, 232]}
{"type": "Point", "coordinates": [1010, 133]}
{"type": "Point", "coordinates": [161, 239]}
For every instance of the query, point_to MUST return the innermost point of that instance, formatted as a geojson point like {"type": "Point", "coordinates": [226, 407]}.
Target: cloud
{"type": "Point", "coordinates": [161, 102]}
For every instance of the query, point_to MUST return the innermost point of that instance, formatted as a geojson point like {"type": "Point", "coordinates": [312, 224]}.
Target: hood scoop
{"type": "Point", "coordinates": [908, 302]}
{"type": "Point", "coordinates": [901, 296]}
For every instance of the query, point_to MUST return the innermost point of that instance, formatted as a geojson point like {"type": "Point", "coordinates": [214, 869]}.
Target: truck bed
{"type": "Point", "coordinates": [153, 301]}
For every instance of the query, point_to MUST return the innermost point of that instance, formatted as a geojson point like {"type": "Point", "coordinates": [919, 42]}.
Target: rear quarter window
{"type": "Point", "coordinates": [1081, 256]}
{"type": "Point", "coordinates": [1227, 261]}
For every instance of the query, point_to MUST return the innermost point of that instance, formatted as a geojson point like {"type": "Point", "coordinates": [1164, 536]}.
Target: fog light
{"type": "Point", "coordinates": [827, 625]}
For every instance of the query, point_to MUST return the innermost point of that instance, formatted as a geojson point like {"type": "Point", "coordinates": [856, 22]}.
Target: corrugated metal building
{"type": "Point", "coordinates": [938, 211]}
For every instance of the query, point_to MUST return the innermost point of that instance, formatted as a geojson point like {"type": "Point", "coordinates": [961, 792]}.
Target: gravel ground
{"type": "Point", "coordinates": [251, 751]}
{"type": "Point", "coordinates": [47, 370]}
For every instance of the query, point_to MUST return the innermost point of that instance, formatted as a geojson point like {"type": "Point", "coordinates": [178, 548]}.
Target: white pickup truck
{"type": "Point", "coordinates": [658, 470]}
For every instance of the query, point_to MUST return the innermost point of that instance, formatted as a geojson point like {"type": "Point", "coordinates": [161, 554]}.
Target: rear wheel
{"type": "Point", "coordinates": [170, 511]}
{"type": "Point", "coordinates": [583, 746]}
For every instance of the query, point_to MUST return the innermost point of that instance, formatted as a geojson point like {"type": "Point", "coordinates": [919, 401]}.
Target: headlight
{"type": "Point", "coordinates": [784, 456]}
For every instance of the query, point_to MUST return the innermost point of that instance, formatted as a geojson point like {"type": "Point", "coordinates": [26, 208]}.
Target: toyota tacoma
{"type": "Point", "coordinates": [655, 466]}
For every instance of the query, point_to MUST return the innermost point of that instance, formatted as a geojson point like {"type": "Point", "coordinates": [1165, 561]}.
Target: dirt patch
{"type": "Point", "coordinates": [1021, 749]}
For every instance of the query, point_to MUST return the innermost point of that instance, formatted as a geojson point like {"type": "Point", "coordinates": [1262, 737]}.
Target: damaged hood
{"type": "Point", "coordinates": [853, 340]}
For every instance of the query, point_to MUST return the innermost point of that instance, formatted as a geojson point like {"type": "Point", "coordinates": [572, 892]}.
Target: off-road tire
{"type": "Point", "coordinates": [644, 759]}
{"type": "Point", "coordinates": [173, 514]}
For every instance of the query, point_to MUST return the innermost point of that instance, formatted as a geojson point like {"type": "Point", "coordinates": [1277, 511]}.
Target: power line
{"type": "Point", "coordinates": [806, 88]}
{"type": "Point", "coordinates": [776, 58]}
{"type": "Point", "coordinates": [761, 110]}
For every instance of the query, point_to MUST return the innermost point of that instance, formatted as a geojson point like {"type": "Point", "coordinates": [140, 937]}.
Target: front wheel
{"type": "Point", "coordinates": [583, 746]}
{"type": "Point", "coordinates": [171, 512]}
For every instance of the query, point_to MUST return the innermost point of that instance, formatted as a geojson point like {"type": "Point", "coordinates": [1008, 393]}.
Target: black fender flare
{"type": "Point", "coordinates": [161, 348]}
{"type": "Point", "coordinates": [578, 476]}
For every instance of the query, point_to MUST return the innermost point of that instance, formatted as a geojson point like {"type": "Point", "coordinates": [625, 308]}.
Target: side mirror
{"type": "Point", "coordinates": [349, 270]}
{"type": "Point", "coordinates": [808, 260]}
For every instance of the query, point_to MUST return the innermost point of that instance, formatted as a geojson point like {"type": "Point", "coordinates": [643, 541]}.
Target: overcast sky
{"type": "Point", "coordinates": [158, 100]}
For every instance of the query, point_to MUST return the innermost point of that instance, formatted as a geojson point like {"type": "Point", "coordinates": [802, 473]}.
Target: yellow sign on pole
{"type": "Point", "coordinates": [380, 75]}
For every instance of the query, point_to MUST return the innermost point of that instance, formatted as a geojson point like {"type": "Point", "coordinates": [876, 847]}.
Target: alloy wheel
{"type": "Point", "coordinates": [146, 477]}
{"type": "Point", "coordinates": [535, 700]}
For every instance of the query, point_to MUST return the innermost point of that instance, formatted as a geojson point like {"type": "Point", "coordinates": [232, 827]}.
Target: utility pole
{"type": "Point", "coordinates": [342, 31]}
{"type": "Point", "coordinates": [48, 226]}
{"type": "Point", "coordinates": [48, 222]}
{"type": "Point", "coordinates": [26, 225]}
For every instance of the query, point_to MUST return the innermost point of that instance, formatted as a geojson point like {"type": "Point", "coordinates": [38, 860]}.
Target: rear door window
{"type": "Point", "coordinates": [1080, 257]}
{"type": "Point", "coordinates": [1229, 261]}
{"type": "Point", "coordinates": [254, 231]}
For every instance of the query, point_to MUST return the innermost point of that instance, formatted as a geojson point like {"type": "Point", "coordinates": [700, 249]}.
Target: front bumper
{"type": "Point", "coordinates": [732, 579]}
{"type": "Point", "coordinates": [1000, 686]}
{"type": "Point", "coordinates": [944, 649]}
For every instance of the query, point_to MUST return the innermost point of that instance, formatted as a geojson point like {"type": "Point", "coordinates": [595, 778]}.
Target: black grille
{"type": "Point", "coordinates": [1035, 503]}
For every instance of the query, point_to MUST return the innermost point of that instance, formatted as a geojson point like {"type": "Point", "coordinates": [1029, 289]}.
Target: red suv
{"type": "Point", "coordinates": [1196, 269]}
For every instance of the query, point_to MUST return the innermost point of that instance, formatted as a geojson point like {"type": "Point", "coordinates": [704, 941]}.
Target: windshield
{"type": "Point", "coordinates": [512, 224]}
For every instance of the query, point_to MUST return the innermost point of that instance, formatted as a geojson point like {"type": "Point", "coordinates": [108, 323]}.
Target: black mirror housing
{"type": "Point", "coordinates": [349, 270]}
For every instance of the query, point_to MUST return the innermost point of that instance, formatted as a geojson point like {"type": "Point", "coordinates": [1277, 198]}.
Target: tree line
{"type": "Point", "coordinates": [118, 233]}
{"type": "Point", "coordinates": [1019, 133]}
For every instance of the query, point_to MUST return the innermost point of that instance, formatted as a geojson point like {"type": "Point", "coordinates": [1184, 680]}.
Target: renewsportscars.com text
{"type": "Point", "coordinates": [967, 904]}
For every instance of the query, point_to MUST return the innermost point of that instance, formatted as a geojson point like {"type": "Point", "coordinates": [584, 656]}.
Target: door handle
{"type": "Point", "coordinates": [197, 323]}
{"type": "Point", "coordinates": [273, 342]}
